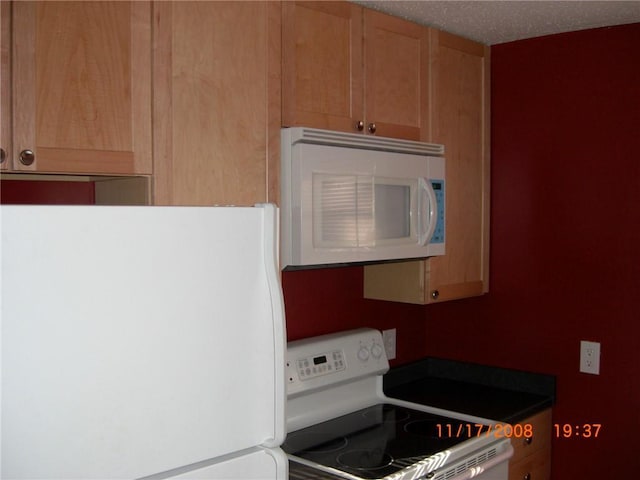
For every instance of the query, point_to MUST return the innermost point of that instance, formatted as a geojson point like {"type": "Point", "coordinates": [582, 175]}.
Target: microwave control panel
{"type": "Point", "coordinates": [438, 233]}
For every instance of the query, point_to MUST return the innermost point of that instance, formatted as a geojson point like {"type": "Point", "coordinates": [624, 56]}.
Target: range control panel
{"type": "Point", "coordinates": [322, 361]}
{"type": "Point", "coordinates": [322, 364]}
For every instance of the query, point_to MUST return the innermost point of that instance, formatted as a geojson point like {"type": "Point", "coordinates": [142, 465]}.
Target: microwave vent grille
{"type": "Point", "coordinates": [370, 142]}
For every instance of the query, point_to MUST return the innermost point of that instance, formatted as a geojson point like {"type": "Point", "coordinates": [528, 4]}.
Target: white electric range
{"type": "Point", "coordinates": [341, 425]}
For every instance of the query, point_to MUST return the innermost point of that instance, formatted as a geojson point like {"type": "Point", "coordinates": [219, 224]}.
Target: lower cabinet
{"type": "Point", "coordinates": [532, 456]}
{"type": "Point", "coordinates": [534, 467]}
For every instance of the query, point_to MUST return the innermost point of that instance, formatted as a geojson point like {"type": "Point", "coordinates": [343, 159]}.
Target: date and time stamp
{"type": "Point", "coordinates": [518, 430]}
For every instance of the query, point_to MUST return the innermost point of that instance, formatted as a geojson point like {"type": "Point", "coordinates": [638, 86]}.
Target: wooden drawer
{"type": "Point", "coordinates": [541, 439]}
{"type": "Point", "coordinates": [536, 466]}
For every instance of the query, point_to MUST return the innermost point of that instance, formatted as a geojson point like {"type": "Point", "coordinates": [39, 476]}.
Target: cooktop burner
{"type": "Point", "coordinates": [318, 443]}
{"type": "Point", "coordinates": [364, 459]}
{"type": "Point", "coordinates": [378, 441]}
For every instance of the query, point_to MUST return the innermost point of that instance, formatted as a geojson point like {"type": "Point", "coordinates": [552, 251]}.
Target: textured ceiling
{"type": "Point", "coordinates": [492, 22]}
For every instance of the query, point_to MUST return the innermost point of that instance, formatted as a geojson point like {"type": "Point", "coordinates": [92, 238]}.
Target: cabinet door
{"type": "Point", "coordinates": [541, 426]}
{"type": "Point", "coordinates": [461, 123]}
{"type": "Point", "coordinates": [322, 65]}
{"type": "Point", "coordinates": [396, 77]}
{"type": "Point", "coordinates": [82, 86]}
{"type": "Point", "coordinates": [5, 85]}
{"type": "Point", "coordinates": [535, 467]}
{"type": "Point", "coordinates": [532, 456]}
{"type": "Point", "coordinates": [217, 103]}
{"type": "Point", "coordinates": [460, 109]}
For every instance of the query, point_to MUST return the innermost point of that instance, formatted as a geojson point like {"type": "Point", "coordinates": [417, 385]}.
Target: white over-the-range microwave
{"type": "Point", "coordinates": [353, 198]}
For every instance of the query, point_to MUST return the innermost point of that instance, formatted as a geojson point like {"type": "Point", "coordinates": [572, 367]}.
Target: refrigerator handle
{"type": "Point", "coordinates": [271, 228]}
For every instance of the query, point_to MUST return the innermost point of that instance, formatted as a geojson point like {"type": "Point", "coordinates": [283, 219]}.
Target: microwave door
{"type": "Point", "coordinates": [395, 211]}
{"type": "Point", "coordinates": [343, 211]}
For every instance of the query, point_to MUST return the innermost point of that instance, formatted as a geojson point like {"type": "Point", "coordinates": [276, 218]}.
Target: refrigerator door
{"type": "Point", "coordinates": [136, 340]}
{"type": "Point", "coordinates": [259, 464]}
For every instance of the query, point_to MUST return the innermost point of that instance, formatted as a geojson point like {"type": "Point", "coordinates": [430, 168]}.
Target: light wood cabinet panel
{"type": "Point", "coordinates": [322, 65]}
{"type": "Point", "coordinates": [541, 439]}
{"type": "Point", "coordinates": [82, 86]}
{"type": "Point", "coordinates": [344, 65]}
{"type": "Point", "coordinates": [461, 123]}
{"type": "Point", "coordinates": [533, 457]}
{"type": "Point", "coordinates": [535, 467]}
{"type": "Point", "coordinates": [216, 96]}
{"type": "Point", "coordinates": [5, 84]}
{"type": "Point", "coordinates": [396, 77]}
{"type": "Point", "coordinates": [460, 112]}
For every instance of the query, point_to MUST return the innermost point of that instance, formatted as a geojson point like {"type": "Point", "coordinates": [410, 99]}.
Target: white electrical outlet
{"type": "Point", "coordinates": [590, 357]}
{"type": "Point", "coordinates": [389, 340]}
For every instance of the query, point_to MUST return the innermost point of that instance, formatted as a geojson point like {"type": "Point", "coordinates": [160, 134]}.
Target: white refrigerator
{"type": "Point", "coordinates": [141, 342]}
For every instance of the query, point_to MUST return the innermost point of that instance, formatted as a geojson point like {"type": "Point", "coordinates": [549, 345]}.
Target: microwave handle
{"type": "Point", "coordinates": [427, 211]}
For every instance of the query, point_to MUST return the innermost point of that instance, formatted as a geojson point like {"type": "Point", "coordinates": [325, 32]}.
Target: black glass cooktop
{"type": "Point", "coordinates": [378, 441]}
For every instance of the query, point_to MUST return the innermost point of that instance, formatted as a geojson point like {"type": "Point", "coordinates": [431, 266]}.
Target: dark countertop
{"type": "Point", "coordinates": [490, 392]}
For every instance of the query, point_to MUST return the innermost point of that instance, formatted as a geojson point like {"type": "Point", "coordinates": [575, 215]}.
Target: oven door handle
{"type": "Point", "coordinates": [479, 471]}
{"type": "Point", "coordinates": [476, 472]}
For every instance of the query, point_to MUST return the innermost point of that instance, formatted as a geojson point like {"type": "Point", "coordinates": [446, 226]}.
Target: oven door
{"type": "Point", "coordinates": [495, 468]}
{"type": "Point", "coordinates": [498, 471]}
{"type": "Point", "coordinates": [386, 441]}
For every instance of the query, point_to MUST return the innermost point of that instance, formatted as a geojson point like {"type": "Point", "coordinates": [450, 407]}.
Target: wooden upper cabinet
{"type": "Point", "coordinates": [461, 123]}
{"type": "Point", "coordinates": [396, 77]}
{"type": "Point", "coordinates": [82, 87]}
{"type": "Point", "coordinates": [460, 112]}
{"type": "Point", "coordinates": [352, 69]}
{"type": "Point", "coordinates": [5, 85]}
{"type": "Point", "coordinates": [322, 65]}
{"type": "Point", "coordinates": [217, 102]}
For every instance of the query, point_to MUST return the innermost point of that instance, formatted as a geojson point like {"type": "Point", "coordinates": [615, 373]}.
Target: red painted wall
{"type": "Point", "coordinates": [331, 300]}
{"type": "Point", "coordinates": [565, 233]}
{"type": "Point", "coordinates": [46, 192]}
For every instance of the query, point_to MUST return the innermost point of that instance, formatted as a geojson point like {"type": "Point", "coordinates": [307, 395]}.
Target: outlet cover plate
{"type": "Point", "coordinates": [590, 357]}
{"type": "Point", "coordinates": [389, 340]}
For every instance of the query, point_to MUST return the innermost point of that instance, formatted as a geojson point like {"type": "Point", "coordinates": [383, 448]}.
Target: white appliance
{"type": "Point", "coordinates": [141, 342]}
{"type": "Point", "coordinates": [342, 426]}
{"type": "Point", "coordinates": [359, 198]}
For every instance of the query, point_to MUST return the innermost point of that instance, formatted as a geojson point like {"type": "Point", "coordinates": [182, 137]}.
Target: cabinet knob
{"type": "Point", "coordinates": [3, 155]}
{"type": "Point", "coordinates": [27, 157]}
{"type": "Point", "coordinates": [372, 128]}
{"type": "Point", "coordinates": [435, 294]}
{"type": "Point", "coordinates": [528, 440]}
{"type": "Point", "coordinates": [360, 125]}
{"type": "Point", "coordinates": [527, 476]}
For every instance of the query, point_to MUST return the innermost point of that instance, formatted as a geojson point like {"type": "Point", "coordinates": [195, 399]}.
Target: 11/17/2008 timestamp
{"type": "Point", "coordinates": [569, 430]}
{"type": "Point", "coordinates": [518, 430]}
